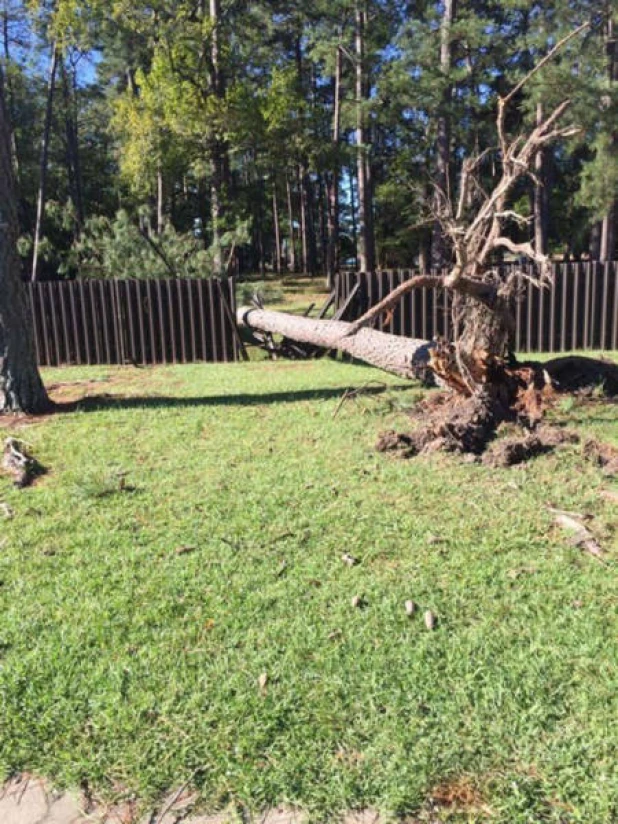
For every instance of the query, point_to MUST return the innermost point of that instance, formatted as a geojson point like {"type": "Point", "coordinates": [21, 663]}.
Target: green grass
{"type": "Point", "coordinates": [290, 293]}
{"type": "Point", "coordinates": [133, 667]}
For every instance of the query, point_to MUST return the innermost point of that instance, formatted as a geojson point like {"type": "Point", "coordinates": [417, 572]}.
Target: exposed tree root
{"type": "Point", "coordinates": [515, 450]}
{"type": "Point", "coordinates": [466, 422]}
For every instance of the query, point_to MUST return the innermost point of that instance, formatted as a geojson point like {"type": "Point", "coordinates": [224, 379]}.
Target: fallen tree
{"type": "Point", "coordinates": [406, 357]}
{"type": "Point", "coordinates": [478, 366]}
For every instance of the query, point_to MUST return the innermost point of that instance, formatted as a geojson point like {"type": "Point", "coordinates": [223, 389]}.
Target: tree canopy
{"type": "Point", "coordinates": [293, 136]}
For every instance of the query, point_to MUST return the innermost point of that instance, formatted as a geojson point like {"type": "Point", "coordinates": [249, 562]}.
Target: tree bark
{"type": "Point", "coordinates": [594, 243]}
{"type": "Point", "coordinates": [21, 388]}
{"type": "Point", "coordinates": [219, 150]}
{"type": "Point", "coordinates": [277, 228]}
{"type": "Point", "coordinates": [10, 95]}
{"type": "Point", "coordinates": [292, 245]}
{"type": "Point", "coordinates": [366, 243]}
{"type": "Point", "coordinates": [353, 203]}
{"type": "Point", "coordinates": [72, 148]}
{"type": "Point", "coordinates": [541, 195]}
{"type": "Point", "coordinates": [160, 201]}
{"type": "Point", "coordinates": [401, 356]}
{"type": "Point", "coordinates": [40, 210]}
{"type": "Point", "coordinates": [332, 182]}
{"type": "Point", "coordinates": [439, 249]}
{"type": "Point", "coordinates": [608, 226]}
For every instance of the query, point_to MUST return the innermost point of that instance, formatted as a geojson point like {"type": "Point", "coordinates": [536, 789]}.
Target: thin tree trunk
{"type": "Point", "coordinates": [303, 220]}
{"type": "Point", "coordinates": [278, 266]}
{"type": "Point", "coordinates": [594, 244]}
{"type": "Point", "coordinates": [292, 246]}
{"type": "Point", "coordinates": [10, 93]}
{"type": "Point", "coordinates": [608, 228]}
{"type": "Point", "coordinates": [72, 144]}
{"type": "Point", "coordinates": [309, 201]}
{"type": "Point", "coordinates": [322, 206]}
{"type": "Point", "coordinates": [160, 201]}
{"type": "Point", "coordinates": [21, 388]}
{"type": "Point", "coordinates": [219, 160]}
{"type": "Point", "coordinates": [541, 195]}
{"type": "Point", "coordinates": [332, 184]}
{"type": "Point", "coordinates": [439, 250]}
{"type": "Point", "coordinates": [353, 212]}
{"type": "Point", "coordinates": [366, 251]}
{"type": "Point", "coordinates": [608, 236]}
{"type": "Point", "coordinates": [40, 211]}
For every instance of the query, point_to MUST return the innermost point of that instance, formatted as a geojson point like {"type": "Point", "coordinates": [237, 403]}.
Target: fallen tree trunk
{"type": "Point", "coordinates": [461, 420]}
{"type": "Point", "coordinates": [406, 357]}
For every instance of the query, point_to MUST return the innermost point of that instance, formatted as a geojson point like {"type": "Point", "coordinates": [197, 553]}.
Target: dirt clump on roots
{"type": "Point", "coordinates": [519, 395]}
{"type": "Point", "coordinates": [514, 450]}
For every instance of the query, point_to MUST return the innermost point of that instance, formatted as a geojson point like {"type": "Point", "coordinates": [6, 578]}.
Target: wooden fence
{"type": "Point", "coordinates": [580, 311]}
{"type": "Point", "coordinates": [134, 321]}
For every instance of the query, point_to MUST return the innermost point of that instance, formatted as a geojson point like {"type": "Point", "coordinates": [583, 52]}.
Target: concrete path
{"type": "Point", "coordinates": [28, 800]}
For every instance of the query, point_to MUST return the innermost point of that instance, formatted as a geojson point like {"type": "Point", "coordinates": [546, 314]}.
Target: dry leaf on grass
{"type": "Point", "coordinates": [580, 535]}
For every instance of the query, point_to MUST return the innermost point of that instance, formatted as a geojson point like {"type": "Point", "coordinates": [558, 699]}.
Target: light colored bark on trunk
{"type": "Point", "coordinates": [40, 209]}
{"type": "Point", "coordinates": [401, 356]}
{"type": "Point", "coordinates": [540, 199]}
{"type": "Point", "coordinates": [292, 244]}
{"type": "Point", "coordinates": [366, 250]}
{"type": "Point", "coordinates": [277, 229]}
{"type": "Point", "coordinates": [439, 250]}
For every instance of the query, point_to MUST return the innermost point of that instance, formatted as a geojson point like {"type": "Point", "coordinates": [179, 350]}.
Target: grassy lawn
{"type": "Point", "coordinates": [289, 293]}
{"type": "Point", "coordinates": [136, 622]}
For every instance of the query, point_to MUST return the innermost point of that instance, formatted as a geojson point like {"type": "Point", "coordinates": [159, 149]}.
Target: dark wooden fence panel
{"type": "Point", "coordinates": [580, 310]}
{"type": "Point", "coordinates": [134, 321]}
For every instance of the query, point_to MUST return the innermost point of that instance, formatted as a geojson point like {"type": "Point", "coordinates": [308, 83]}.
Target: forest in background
{"type": "Point", "coordinates": [197, 137]}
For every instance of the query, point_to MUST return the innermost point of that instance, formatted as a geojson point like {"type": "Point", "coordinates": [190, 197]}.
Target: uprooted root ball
{"type": "Point", "coordinates": [451, 422]}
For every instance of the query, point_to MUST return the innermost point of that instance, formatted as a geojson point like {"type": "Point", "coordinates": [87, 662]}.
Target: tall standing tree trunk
{"type": "Point", "coordinates": [40, 209]}
{"type": "Point", "coordinates": [277, 228]}
{"type": "Point", "coordinates": [304, 249]}
{"type": "Point", "coordinates": [72, 147]}
{"type": "Point", "coordinates": [332, 180]}
{"type": "Point", "coordinates": [160, 201]}
{"type": "Point", "coordinates": [439, 247]}
{"type": "Point", "coordinates": [21, 388]}
{"type": "Point", "coordinates": [608, 227]}
{"type": "Point", "coordinates": [219, 149]}
{"type": "Point", "coordinates": [608, 235]}
{"type": "Point", "coordinates": [292, 246]}
{"type": "Point", "coordinates": [353, 213]}
{"type": "Point", "coordinates": [366, 242]}
{"type": "Point", "coordinates": [594, 242]}
{"type": "Point", "coordinates": [541, 195]}
{"type": "Point", "coordinates": [9, 92]}
{"type": "Point", "coordinates": [308, 199]}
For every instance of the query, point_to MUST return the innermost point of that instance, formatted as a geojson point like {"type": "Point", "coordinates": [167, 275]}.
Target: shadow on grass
{"type": "Point", "coordinates": [98, 402]}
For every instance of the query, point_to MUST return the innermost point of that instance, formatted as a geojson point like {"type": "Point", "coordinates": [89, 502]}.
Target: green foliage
{"type": "Point", "coordinates": [599, 179]}
{"type": "Point", "coordinates": [149, 106]}
{"type": "Point", "coordinates": [118, 248]}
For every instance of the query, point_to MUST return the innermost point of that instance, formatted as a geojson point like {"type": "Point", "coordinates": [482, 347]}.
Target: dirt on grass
{"type": "Point", "coordinates": [469, 424]}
